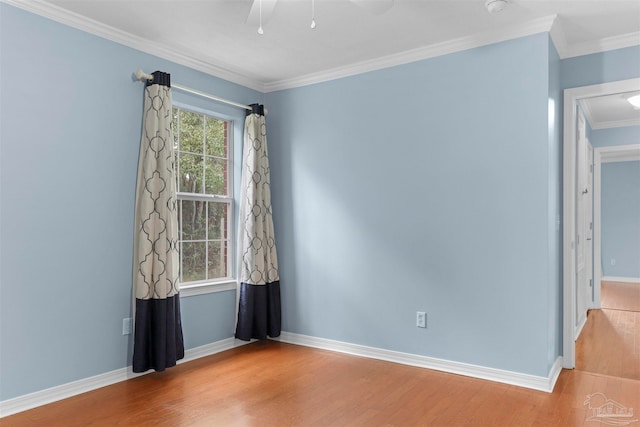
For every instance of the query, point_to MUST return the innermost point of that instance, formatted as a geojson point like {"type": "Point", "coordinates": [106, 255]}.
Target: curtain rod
{"type": "Point", "coordinates": [141, 75]}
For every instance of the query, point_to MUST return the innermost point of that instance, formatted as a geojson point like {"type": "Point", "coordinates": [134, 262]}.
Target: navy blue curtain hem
{"type": "Point", "coordinates": [259, 311]}
{"type": "Point", "coordinates": [159, 343]}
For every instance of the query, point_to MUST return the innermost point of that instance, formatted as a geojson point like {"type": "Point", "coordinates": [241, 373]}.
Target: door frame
{"type": "Point", "coordinates": [591, 173]}
{"type": "Point", "coordinates": [583, 292]}
{"type": "Point", "coordinates": [571, 97]}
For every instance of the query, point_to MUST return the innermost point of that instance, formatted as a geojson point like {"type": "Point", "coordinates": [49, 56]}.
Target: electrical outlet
{"type": "Point", "coordinates": [613, 261]}
{"type": "Point", "coordinates": [421, 319]}
{"type": "Point", "coordinates": [126, 326]}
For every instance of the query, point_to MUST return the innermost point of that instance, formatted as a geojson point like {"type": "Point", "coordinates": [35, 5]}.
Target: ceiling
{"type": "Point", "coordinates": [609, 111]}
{"type": "Point", "coordinates": [214, 36]}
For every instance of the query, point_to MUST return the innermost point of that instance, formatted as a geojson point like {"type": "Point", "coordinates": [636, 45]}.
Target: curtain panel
{"type": "Point", "coordinates": [259, 312]}
{"type": "Point", "coordinates": [158, 340]}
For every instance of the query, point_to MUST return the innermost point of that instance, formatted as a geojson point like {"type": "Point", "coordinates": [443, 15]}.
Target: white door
{"type": "Point", "coordinates": [589, 228]}
{"type": "Point", "coordinates": [583, 293]}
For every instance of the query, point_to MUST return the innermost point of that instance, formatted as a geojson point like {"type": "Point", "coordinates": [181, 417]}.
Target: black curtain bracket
{"type": "Point", "coordinates": [256, 109]}
{"type": "Point", "coordinates": [160, 78]}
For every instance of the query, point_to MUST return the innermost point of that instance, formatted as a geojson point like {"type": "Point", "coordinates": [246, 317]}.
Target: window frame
{"type": "Point", "coordinates": [230, 281]}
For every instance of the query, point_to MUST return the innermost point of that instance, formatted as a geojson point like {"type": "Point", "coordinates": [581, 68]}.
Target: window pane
{"type": "Point", "coordinates": [193, 219]}
{"type": "Point", "coordinates": [190, 180]}
{"type": "Point", "coordinates": [217, 220]}
{"type": "Point", "coordinates": [217, 259]}
{"type": "Point", "coordinates": [191, 132]}
{"type": "Point", "coordinates": [216, 137]}
{"type": "Point", "coordinates": [202, 153]}
{"type": "Point", "coordinates": [216, 176]}
{"type": "Point", "coordinates": [193, 261]}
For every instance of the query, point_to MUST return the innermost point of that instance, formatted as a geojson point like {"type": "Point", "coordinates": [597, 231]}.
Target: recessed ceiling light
{"type": "Point", "coordinates": [634, 100]}
{"type": "Point", "coordinates": [495, 6]}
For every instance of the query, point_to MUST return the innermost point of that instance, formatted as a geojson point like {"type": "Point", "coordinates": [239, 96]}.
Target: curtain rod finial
{"type": "Point", "coordinates": [141, 75]}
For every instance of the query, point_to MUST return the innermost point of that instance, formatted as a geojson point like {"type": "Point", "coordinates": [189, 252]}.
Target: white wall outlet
{"type": "Point", "coordinates": [613, 261]}
{"type": "Point", "coordinates": [421, 319]}
{"type": "Point", "coordinates": [127, 325]}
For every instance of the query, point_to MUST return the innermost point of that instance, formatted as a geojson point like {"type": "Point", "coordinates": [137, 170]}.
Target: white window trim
{"type": "Point", "coordinates": [198, 288]}
{"type": "Point", "coordinates": [189, 289]}
{"type": "Point", "coordinates": [198, 197]}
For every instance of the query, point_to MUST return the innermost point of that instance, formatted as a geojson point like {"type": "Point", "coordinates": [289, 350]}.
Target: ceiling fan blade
{"type": "Point", "coordinates": [253, 18]}
{"type": "Point", "coordinates": [377, 7]}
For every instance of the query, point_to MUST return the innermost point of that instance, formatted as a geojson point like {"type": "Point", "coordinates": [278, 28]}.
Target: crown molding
{"type": "Point", "coordinates": [601, 45]}
{"type": "Point", "coordinates": [536, 26]}
{"type": "Point", "coordinates": [558, 38]}
{"type": "Point", "coordinates": [615, 124]}
{"type": "Point", "coordinates": [618, 153]}
{"type": "Point", "coordinates": [605, 124]}
{"type": "Point", "coordinates": [545, 24]}
{"type": "Point", "coordinates": [99, 29]}
{"type": "Point", "coordinates": [588, 114]}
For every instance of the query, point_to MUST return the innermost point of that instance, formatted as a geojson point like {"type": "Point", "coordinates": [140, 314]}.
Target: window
{"type": "Point", "coordinates": [205, 196]}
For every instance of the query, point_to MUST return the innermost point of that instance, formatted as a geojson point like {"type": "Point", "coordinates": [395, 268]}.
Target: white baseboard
{"type": "Point", "coordinates": [514, 378]}
{"type": "Point", "coordinates": [53, 394]}
{"type": "Point", "coordinates": [620, 279]}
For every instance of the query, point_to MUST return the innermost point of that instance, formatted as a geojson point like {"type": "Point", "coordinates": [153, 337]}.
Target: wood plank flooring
{"type": "Point", "coordinates": [275, 384]}
{"type": "Point", "coordinates": [610, 344]}
{"type": "Point", "coordinates": [620, 296]}
{"type": "Point", "coordinates": [610, 341]}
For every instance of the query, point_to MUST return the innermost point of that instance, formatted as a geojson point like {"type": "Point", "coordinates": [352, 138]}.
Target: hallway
{"type": "Point", "coordinates": [610, 341]}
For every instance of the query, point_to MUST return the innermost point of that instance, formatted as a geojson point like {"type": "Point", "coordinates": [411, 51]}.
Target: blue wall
{"type": "Point", "coordinates": [71, 119]}
{"type": "Point", "coordinates": [613, 65]}
{"type": "Point", "coordinates": [424, 187]}
{"type": "Point", "coordinates": [621, 219]}
{"type": "Point", "coordinates": [615, 136]}
{"type": "Point", "coordinates": [431, 186]}
{"type": "Point", "coordinates": [620, 205]}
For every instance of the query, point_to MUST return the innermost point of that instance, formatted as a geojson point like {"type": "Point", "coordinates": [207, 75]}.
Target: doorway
{"type": "Point", "coordinates": [606, 155]}
{"type": "Point", "coordinates": [608, 343]}
{"type": "Point", "coordinates": [572, 226]}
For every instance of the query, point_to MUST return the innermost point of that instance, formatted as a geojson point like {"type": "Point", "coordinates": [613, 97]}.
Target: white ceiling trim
{"type": "Point", "coordinates": [620, 153]}
{"type": "Point", "coordinates": [559, 40]}
{"type": "Point", "coordinates": [545, 24]}
{"type": "Point", "coordinates": [601, 45]}
{"type": "Point", "coordinates": [615, 124]}
{"type": "Point", "coordinates": [91, 26]}
{"type": "Point", "coordinates": [605, 124]}
{"type": "Point", "coordinates": [536, 26]}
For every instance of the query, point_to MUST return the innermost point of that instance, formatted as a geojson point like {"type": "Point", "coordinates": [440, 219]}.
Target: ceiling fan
{"type": "Point", "coordinates": [261, 10]}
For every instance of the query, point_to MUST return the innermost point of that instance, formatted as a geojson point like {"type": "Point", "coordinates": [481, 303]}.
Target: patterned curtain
{"type": "Point", "coordinates": [158, 341]}
{"type": "Point", "coordinates": [259, 303]}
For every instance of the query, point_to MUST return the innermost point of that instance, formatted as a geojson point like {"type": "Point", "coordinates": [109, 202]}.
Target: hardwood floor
{"type": "Point", "coordinates": [275, 384]}
{"type": "Point", "coordinates": [610, 344]}
{"type": "Point", "coordinates": [610, 341]}
{"type": "Point", "coordinates": [620, 296]}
